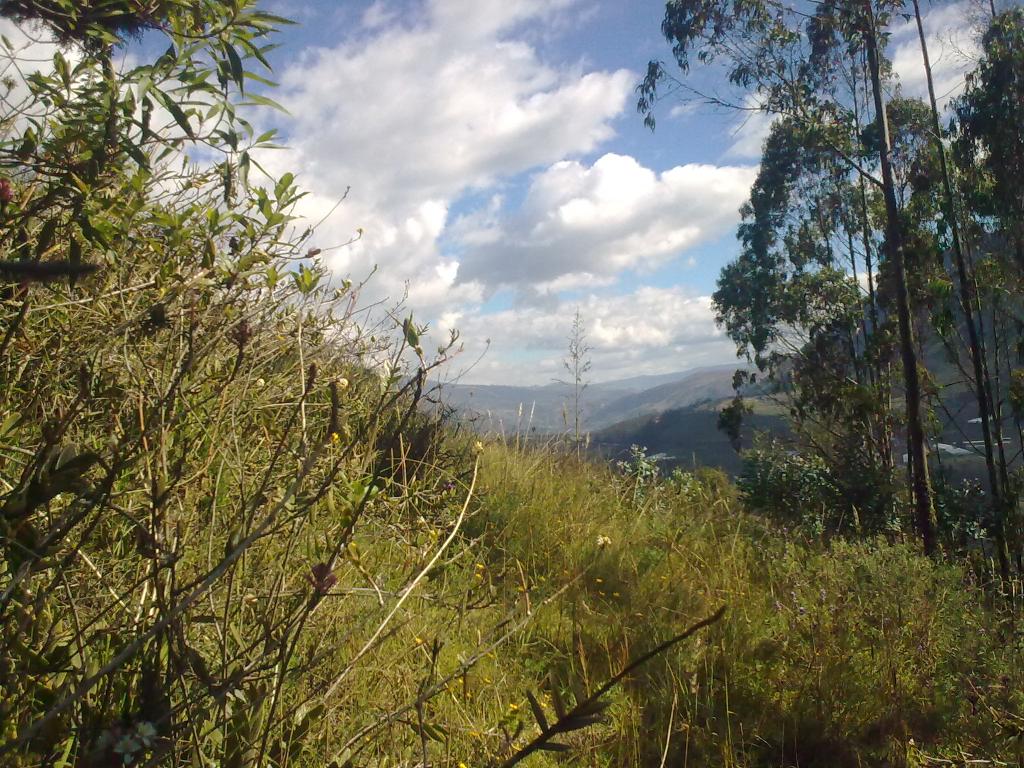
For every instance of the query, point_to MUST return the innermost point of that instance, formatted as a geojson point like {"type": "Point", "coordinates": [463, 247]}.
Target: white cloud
{"type": "Point", "coordinates": [413, 116]}
{"type": "Point", "coordinates": [650, 330]}
{"type": "Point", "coordinates": [32, 49]}
{"type": "Point", "coordinates": [951, 34]}
{"type": "Point", "coordinates": [683, 110]}
{"type": "Point", "coordinates": [379, 14]}
{"type": "Point", "coordinates": [581, 225]}
{"type": "Point", "coordinates": [486, 19]}
{"type": "Point", "coordinates": [417, 111]}
{"type": "Point", "coordinates": [752, 128]}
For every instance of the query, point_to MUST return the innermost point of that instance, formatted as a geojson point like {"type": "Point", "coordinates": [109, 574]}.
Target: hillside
{"type": "Point", "coordinates": [237, 531]}
{"type": "Point", "coordinates": [686, 437]}
{"type": "Point", "coordinates": [544, 409]}
{"type": "Point", "coordinates": [808, 668]}
{"type": "Point", "coordinates": [696, 386]}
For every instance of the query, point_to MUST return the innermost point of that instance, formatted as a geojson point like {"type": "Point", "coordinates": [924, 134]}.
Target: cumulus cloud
{"type": "Point", "coordinates": [750, 131]}
{"type": "Point", "coordinates": [411, 116]}
{"type": "Point", "coordinates": [582, 225]}
{"type": "Point", "coordinates": [649, 330]}
{"type": "Point", "coordinates": [951, 34]}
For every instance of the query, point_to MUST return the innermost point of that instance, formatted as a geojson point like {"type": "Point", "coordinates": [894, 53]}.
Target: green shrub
{"type": "Point", "coordinates": [210, 490]}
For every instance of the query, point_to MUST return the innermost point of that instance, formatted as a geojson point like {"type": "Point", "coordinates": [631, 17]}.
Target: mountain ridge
{"type": "Point", "coordinates": [547, 408]}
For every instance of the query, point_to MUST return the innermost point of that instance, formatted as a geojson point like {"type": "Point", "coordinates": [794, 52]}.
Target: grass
{"type": "Point", "coordinates": [857, 654]}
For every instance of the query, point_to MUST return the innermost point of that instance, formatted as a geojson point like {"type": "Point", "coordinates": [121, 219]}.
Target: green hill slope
{"type": "Point", "coordinates": [856, 654]}
{"type": "Point", "coordinates": [687, 437]}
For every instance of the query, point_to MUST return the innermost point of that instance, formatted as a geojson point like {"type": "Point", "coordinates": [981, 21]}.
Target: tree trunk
{"type": "Point", "coordinates": [967, 301]}
{"type": "Point", "coordinates": [924, 512]}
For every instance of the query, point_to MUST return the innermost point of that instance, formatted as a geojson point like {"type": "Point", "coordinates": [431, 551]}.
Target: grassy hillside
{"type": "Point", "coordinates": [858, 654]}
{"type": "Point", "coordinates": [232, 535]}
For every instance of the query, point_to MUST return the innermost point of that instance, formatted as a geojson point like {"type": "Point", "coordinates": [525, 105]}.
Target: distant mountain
{"type": "Point", "coordinates": [697, 386]}
{"type": "Point", "coordinates": [686, 437]}
{"type": "Point", "coordinates": [640, 383]}
{"type": "Point", "coordinates": [548, 408]}
{"type": "Point", "coordinates": [675, 416]}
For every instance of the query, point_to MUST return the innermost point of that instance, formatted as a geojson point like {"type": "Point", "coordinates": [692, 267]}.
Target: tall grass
{"type": "Point", "coordinates": [852, 654]}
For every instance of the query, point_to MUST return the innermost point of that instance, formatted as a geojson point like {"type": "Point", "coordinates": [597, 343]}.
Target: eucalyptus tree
{"type": "Point", "coordinates": [793, 303]}
{"type": "Point", "coordinates": [989, 163]}
{"type": "Point", "coordinates": [989, 117]}
{"type": "Point", "coordinates": [955, 316]}
{"type": "Point", "coordinates": [796, 60]}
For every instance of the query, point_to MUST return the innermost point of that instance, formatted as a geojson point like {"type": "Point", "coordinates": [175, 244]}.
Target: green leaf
{"type": "Point", "coordinates": [10, 423]}
{"type": "Point", "coordinates": [412, 335]}
{"type": "Point", "coordinates": [169, 57]}
{"type": "Point", "coordinates": [143, 86]}
{"type": "Point", "coordinates": [434, 732]}
{"type": "Point", "coordinates": [243, 169]}
{"type": "Point", "coordinates": [269, 18]}
{"type": "Point", "coordinates": [176, 112]}
{"type": "Point", "coordinates": [260, 79]}
{"type": "Point", "coordinates": [60, 66]}
{"type": "Point", "coordinates": [256, 100]}
{"type": "Point", "coordinates": [93, 231]}
{"type": "Point", "coordinates": [235, 64]}
{"type": "Point", "coordinates": [273, 277]}
{"type": "Point", "coordinates": [283, 185]}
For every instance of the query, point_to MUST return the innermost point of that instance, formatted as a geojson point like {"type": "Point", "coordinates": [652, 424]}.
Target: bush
{"type": "Point", "coordinates": [802, 490]}
{"type": "Point", "coordinates": [194, 435]}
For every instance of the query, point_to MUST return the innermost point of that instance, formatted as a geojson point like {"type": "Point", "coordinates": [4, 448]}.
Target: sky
{"type": "Point", "coordinates": [502, 178]}
{"type": "Point", "coordinates": [491, 156]}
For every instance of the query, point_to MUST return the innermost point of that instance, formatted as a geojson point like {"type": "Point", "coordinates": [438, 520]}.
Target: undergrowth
{"type": "Point", "coordinates": [855, 653]}
{"type": "Point", "coordinates": [236, 532]}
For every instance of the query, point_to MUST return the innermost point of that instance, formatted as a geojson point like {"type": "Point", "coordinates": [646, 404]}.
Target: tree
{"type": "Point", "coordinates": [988, 161]}
{"type": "Point", "coordinates": [577, 365]}
{"type": "Point", "coordinates": [989, 117]}
{"type": "Point", "coordinates": [798, 64]}
{"type": "Point", "coordinates": [805, 322]}
{"type": "Point", "coordinates": [968, 306]}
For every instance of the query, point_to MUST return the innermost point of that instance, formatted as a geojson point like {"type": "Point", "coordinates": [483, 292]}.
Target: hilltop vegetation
{"type": "Point", "coordinates": [235, 532]}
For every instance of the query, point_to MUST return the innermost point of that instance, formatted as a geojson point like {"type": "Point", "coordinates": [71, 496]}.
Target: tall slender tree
{"type": "Point", "coordinates": [989, 162]}
{"type": "Point", "coordinates": [791, 60]}
{"type": "Point", "coordinates": [967, 305]}
{"type": "Point", "coordinates": [577, 365]}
